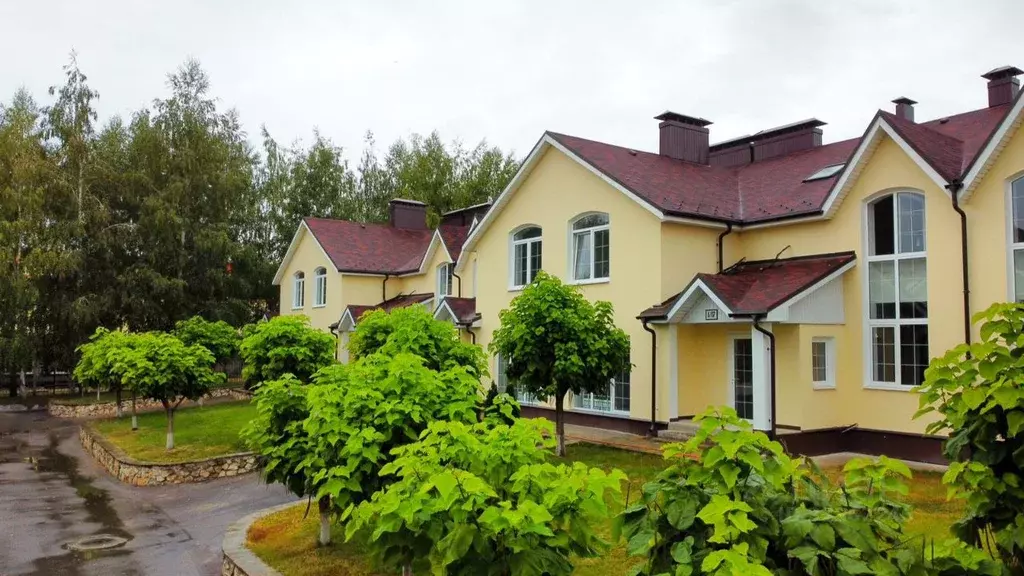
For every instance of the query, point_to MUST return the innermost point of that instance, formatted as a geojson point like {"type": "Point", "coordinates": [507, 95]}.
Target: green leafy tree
{"type": "Point", "coordinates": [482, 499]}
{"type": "Point", "coordinates": [976, 393]}
{"type": "Point", "coordinates": [219, 337]}
{"type": "Point", "coordinates": [163, 368]}
{"type": "Point", "coordinates": [555, 341]}
{"type": "Point", "coordinates": [284, 345]}
{"type": "Point", "coordinates": [732, 502]}
{"type": "Point", "coordinates": [360, 412]}
{"type": "Point", "coordinates": [97, 366]}
{"type": "Point", "coordinates": [414, 330]}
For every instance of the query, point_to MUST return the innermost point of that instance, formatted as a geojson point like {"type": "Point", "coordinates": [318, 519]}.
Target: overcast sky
{"type": "Point", "coordinates": [506, 71]}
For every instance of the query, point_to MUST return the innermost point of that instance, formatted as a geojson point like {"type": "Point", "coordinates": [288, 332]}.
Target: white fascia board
{"type": "Point", "coordinates": [291, 251]}
{"type": "Point", "coordinates": [921, 163]}
{"type": "Point", "coordinates": [444, 309]}
{"type": "Point", "coordinates": [990, 151]}
{"type": "Point", "coordinates": [698, 285]}
{"type": "Point", "coordinates": [435, 240]}
{"type": "Point", "coordinates": [346, 323]}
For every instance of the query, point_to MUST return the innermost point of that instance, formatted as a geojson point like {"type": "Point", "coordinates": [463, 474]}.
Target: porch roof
{"type": "Point", "coordinates": [352, 312]}
{"type": "Point", "coordinates": [757, 287]}
{"type": "Point", "coordinates": [458, 310]}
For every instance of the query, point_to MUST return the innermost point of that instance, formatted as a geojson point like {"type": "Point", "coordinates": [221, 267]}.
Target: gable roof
{"type": "Point", "coordinates": [453, 237]}
{"type": "Point", "coordinates": [355, 247]}
{"type": "Point", "coordinates": [459, 310]}
{"type": "Point", "coordinates": [353, 312]}
{"type": "Point", "coordinates": [758, 287]}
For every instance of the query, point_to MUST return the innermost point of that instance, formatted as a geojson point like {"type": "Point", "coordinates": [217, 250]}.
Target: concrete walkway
{"type": "Point", "coordinates": [624, 440]}
{"type": "Point", "coordinates": [52, 494]}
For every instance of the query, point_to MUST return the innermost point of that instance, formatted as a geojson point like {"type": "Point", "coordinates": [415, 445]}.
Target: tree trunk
{"type": "Point", "coordinates": [170, 429]}
{"type": "Point", "coordinates": [560, 425]}
{"type": "Point", "coordinates": [325, 520]}
{"type": "Point", "coordinates": [135, 416]}
{"type": "Point", "coordinates": [407, 570]}
{"type": "Point", "coordinates": [97, 392]}
{"type": "Point", "coordinates": [117, 411]}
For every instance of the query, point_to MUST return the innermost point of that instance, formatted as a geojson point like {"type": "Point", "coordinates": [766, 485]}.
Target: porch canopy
{"type": "Point", "coordinates": [459, 311]}
{"type": "Point", "coordinates": [352, 312]}
{"type": "Point", "coordinates": [760, 294]}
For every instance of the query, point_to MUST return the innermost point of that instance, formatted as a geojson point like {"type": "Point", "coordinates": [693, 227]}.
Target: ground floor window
{"type": "Point", "coordinates": [823, 363]}
{"type": "Point", "coordinates": [614, 398]}
{"type": "Point", "coordinates": [502, 383]}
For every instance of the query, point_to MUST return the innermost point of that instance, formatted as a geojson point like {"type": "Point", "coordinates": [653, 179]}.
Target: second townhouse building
{"type": "Point", "coordinates": [805, 284]}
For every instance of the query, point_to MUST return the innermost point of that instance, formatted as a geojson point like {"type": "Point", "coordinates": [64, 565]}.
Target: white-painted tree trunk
{"type": "Point", "coordinates": [324, 505]}
{"type": "Point", "coordinates": [135, 416]}
{"type": "Point", "coordinates": [560, 426]}
{"type": "Point", "coordinates": [170, 430]}
{"type": "Point", "coordinates": [407, 570]}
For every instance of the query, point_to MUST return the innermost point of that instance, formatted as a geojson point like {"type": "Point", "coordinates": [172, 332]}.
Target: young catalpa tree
{"type": "Point", "coordinates": [163, 368]}
{"type": "Point", "coordinates": [555, 341]}
{"type": "Point", "coordinates": [284, 345]}
{"type": "Point", "coordinates": [415, 331]}
{"type": "Point", "coordinates": [97, 364]}
{"type": "Point", "coordinates": [219, 337]}
{"type": "Point", "coordinates": [482, 499]}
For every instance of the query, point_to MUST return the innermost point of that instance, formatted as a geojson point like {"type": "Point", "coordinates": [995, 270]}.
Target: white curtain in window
{"type": "Point", "coordinates": [582, 249]}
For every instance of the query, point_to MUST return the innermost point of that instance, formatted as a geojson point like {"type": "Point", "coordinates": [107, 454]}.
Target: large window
{"type": "Point", "coordinates": [298, 290]}
{"type": "Point", "coordinates": [320, 287]}
{"type": "Point", "coordinates": [1017, 238]}
{"type": "Point", "coordinates": [502, 382]}
{"type": "Point", "coordinates": [526, 256]}
{"type": "Point", "coordinates": [613, 399]}
{"type": "Point", "coordinates": [444, 280]}
{"type": "Point", "coordinates": [897, 290]}
{"type": "Point", "coordinates": [590, 243]}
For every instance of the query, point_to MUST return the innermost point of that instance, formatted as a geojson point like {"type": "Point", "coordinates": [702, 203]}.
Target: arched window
{"type": "Point", "coordinates": [298, 290]}
{"type": "Point", "coordinates": [444, 279]}
{"type": "Point", "coordinates": [526, 256]}
{"type": "Point", "coordinates": [1017, 239]}
{"type": "Point", "coordinates": [897, 319]}
{"type": "Point", "coordinates": [590, 248]}
{"type": "Point", "coordinates": [320, 287]}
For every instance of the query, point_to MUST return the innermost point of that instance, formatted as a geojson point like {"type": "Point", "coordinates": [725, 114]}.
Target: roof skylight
{"type": "Point", "coordinates": [826, 172]}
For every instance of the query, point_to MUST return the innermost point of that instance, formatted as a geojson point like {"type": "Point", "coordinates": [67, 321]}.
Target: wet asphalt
{"type": "Point", "coordinates": [53, 494]}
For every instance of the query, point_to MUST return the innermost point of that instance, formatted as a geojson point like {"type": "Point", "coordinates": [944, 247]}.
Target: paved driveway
{"type": "Point", "coordinates": [52, 494]}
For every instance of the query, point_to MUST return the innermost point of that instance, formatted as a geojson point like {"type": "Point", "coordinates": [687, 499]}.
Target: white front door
{"type": "Point", "coordinates": [741, 376]}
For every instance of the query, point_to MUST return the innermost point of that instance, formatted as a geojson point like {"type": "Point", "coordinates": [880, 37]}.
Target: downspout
{"type": "Point", "coordinates": [771, 369]}
{"type": "Point", "coordinates": [384, 288]}
{"type": "Point", "coordinates": [654, 378]}
{"type": "Point", "coordinates": [454, 275]}
{"type": "Point", "coordinates": [721, 252]}
{"type": "Point", "coordinates": [954, 188]}
{"type": "Point", "coordinates": [333, 328]}
{"type": "Point", "coordinates": [469, 329]}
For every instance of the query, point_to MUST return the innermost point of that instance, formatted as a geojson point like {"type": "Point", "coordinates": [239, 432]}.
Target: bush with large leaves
{"type": "Point", "coordinates": [219, 337]}
{"type": "Point", "coordinates": [481, 499]}
{"type": "Point", "coordinates": [977, 392]}
{"type": "Point", "coordinates": [732, 502]}
{"type": "Point", "coordinates": [284, 345]}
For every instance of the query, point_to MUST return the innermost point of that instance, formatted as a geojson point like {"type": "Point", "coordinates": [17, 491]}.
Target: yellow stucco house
{"type": "Point", "coordinates": [805, 284]}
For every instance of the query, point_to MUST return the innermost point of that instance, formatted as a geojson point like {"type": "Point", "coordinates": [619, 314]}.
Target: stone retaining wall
{"type": "Point", "coordinates": [238, 559]}
{"type": "Point", "coordinates": [109, 409]}
{"type": "Point", "coordinates": [131, 471]}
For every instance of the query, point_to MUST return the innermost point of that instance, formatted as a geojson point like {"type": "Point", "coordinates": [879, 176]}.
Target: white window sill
{"type": "Point", "coordinates": [516, 288]}
{"type": "Point", "coordinates": [294, 308]}
{"type": "Point", "coordinates": [888, 387]}
{"type": "Point", "coordinates": [611, 413]}
{"type": "Point", "coordinates": [320, 306]}
{"type": "Point", "coordinates": [589, 281]}
{"type": "Point", "coordinates": [823, 386]}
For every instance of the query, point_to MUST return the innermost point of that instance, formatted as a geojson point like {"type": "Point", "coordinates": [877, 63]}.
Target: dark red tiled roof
{"type": "Point", "coordinates": [463, 308]}
{"type": "Point", "coordinates": [454, 237]}
{"type": "Point", "coordinates": [757, 287]}
{"type": "Point", "coordinates": [775, 188]}
{"type": "Point", "coordinates": [370, 248]}
{"type": "Point", "coordinates": [400, 301]}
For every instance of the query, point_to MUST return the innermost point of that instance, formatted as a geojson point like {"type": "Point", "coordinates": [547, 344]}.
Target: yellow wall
{"type": "Point", "coordinates": [306, 258]}
{"type": "Point", "coordinates": [556, 191]}
{"type": "Point", "coordinates": [685, 251]}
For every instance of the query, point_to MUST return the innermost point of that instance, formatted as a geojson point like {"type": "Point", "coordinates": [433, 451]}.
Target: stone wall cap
{"type": "Point", "coordinates": [238, 553]}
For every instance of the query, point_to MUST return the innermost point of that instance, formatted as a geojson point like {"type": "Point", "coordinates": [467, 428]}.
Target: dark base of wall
{"type": "Point", "coordinates": [638, 427]}
{"type": "Point", "coordinates": [902, 445]}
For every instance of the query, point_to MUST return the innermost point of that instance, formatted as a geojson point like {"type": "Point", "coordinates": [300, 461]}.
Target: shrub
{"type": "Point", "coordinates": [481, 499]}
{"type": "Point", "coordinates": [219, 337]}
{"type": "Point", "coordinates": [96, 366]}
{"type": "Point", "coordinates": [284, 345]}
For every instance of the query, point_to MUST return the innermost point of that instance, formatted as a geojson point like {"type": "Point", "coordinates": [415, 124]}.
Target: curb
{"type": "Point", "coordinates": [238, 560]}
{"type": "Point", "coordinates": [137, 473]}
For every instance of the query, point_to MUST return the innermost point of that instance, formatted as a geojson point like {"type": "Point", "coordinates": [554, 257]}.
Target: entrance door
{"type": "Point", "coordinates": [742, 377]}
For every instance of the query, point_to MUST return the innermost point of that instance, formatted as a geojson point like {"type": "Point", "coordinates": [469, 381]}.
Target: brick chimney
{"type": "Point", "coordinates": [904, 108]}
{"type": "Point", "coordinates": [407, 214]}
{"type": "Point", "coordinates": [683, 137]}
{"type": "Point", "coordinates": [1003, 84]}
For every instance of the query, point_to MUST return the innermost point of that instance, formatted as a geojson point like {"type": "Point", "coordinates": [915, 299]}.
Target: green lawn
{"type": "Point", "coordinates": [198, 432]}
{"type": "Point", "coordinates": [287, 542]}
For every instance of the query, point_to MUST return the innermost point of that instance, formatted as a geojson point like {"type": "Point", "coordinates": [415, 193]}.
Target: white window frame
{"type": "Point", "coordinates": [444, 280]}
{"type": "Point", "coordinates": [298, 290]}
{"type": "Point", "coordinates": [1011, 244]}
{"type": "Point", "coordinates": [592, 232]}
{"type": "Point", "coordinates": [580, 402]}
{"type": "Point", "coordinates": [320, 287]}
{"type": "Point", "coordinates": [530, 244]}
{"type": "Point", "coordinates": [502, 383]}
{"type": "Point", "coordinates": [895, 323]}
{"type": "Point", "coordinates": [829, 383]}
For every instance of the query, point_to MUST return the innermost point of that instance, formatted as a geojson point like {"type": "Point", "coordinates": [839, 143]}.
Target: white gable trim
{"type": "Point", "coordinates": [545, 142]}
{"type": "Point", "coordinates": [346, 323]}
{"type": "Point", "coordinates": [444, 311]}
{"type": "Point", "coordinates": [435, 240]}
{"type": "Point", "coordinates": [690, 292]}
{"type": "Point", "coordinates": [991, 151]}
{"type": "Point", "coordinates": [293, 245]}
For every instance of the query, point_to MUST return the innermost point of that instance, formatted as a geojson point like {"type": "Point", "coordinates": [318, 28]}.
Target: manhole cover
{"type": "Point", "coordinates": [98, 542]}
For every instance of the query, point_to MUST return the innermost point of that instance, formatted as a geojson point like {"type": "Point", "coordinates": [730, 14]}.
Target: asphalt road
{"type": "Point", "coordinates": [53, 494]}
